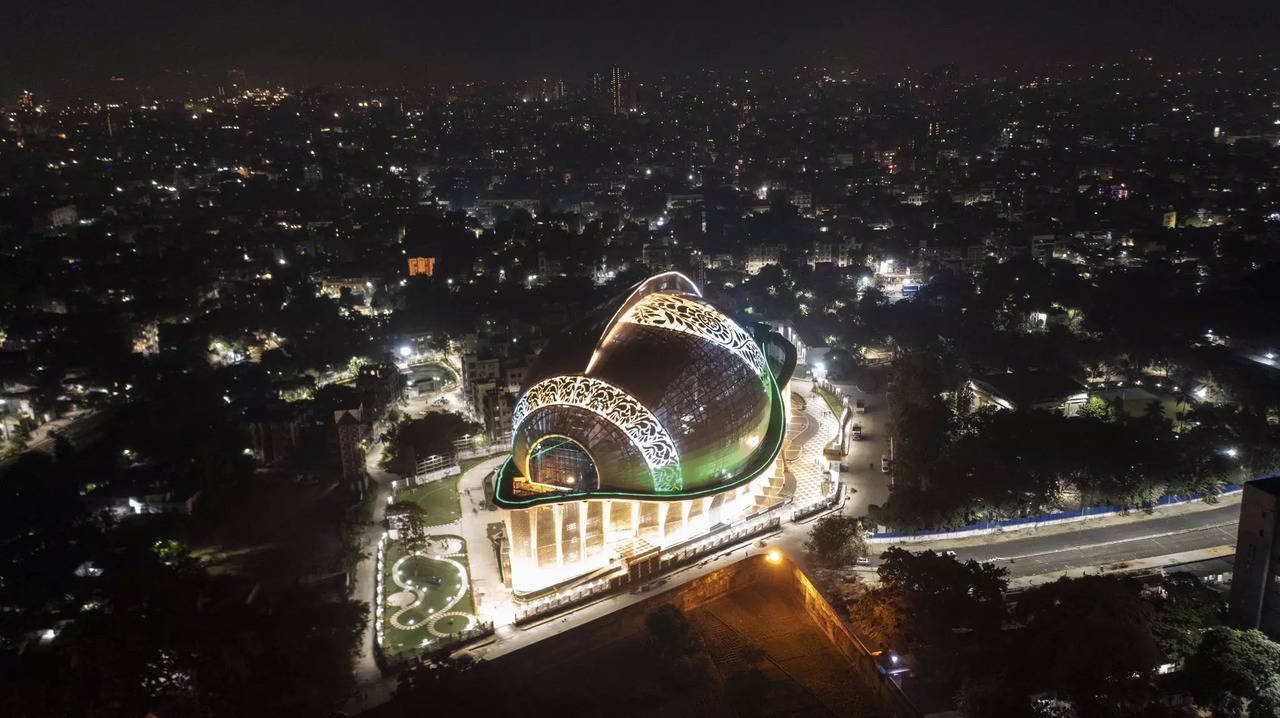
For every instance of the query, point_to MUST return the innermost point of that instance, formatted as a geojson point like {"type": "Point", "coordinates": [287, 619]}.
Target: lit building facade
{"type": "Point", "coordinates": [422, 265]}
{"type": "Point", "coordinates": [1255, 585]}
{"type": "Point", "coordinates": [653, 423]}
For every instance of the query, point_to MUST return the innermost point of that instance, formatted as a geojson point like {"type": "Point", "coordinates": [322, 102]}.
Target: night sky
{"type": "Point", "coordinates": [58, 46]}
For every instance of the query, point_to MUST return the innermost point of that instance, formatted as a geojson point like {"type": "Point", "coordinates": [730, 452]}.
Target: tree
{"type": "Point", "coordinates": [1103, 652]}
{"type": "Point", "coordinates": [1098, 408]}
{"type": "Point", "coordinates": [670, 629]}
{"type": "Point", "coordinates": [409, 519]}
{"type": "Point", "coordinates": [456, 686]}
{"type": "Point", "coordinates": [1267, 702]}
{"type": "Point", "coordinates": [1188, 608]}
{"type": "Point", "coordinates": [433, 434]}
{"type": "Point", "coordinates": [1231, 666]}
{"type": "Point", "coordinates": [836, 540]}
{"type": "Point", "coordinates": [932, 605]}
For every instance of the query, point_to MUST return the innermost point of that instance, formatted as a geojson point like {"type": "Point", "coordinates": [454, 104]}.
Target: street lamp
{"type": "Point", "coordinates": [774, 556]}
{"type": "Point", "coordinates": [405, 351]}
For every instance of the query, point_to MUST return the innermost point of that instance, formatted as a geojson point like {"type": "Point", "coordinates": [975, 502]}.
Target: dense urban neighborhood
{"type": "Point", "coordinates": [360, 399]}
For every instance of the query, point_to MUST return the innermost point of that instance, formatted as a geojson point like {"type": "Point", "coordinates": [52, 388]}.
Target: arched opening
{"type": "Point", "coordinates": [559, 461]}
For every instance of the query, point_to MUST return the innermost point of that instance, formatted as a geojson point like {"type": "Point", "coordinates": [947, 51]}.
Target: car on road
{"type": "Point", "coordinates": [884, 463]}
{"type": "Point", "coordinates": [857, 432]}
{"type": "Point", "coordinates": [860, 406]}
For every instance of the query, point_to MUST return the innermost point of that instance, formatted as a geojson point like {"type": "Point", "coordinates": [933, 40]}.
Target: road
{"type": "Point", "coordinates": [1186, 530]}
{"type": "Point", "coordinates": [862, 464]}
{"type": "Point", "coordinates": [1101, 542]}
{"type": "Point", "coordinates": [1118, 539]}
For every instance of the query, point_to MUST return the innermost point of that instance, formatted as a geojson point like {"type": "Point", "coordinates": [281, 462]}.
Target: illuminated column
{"type": "Point", "coordinates": [674, 522]}
{"type": "Point", "coordinates": [519, 539]}
{"type": "Point", "coordinates": [593, 530]}
{"type": "Point", "coordinates": [715, 511]}
{"type": "Point", "coordinates": [548, 537]}
{"type": "Point", "coordinates": [650, 521]}
{"type": "Point", "coordinates": [531, 519]}
{"type": "Point", "coordinates": [584, 518]}
{"type": "Point", "coordinates": [571, 520]}
{"type": "Point", "coordinates": [559, 529]}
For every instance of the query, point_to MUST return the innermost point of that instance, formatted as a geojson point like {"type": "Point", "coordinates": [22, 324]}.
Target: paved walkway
{"type": "Point", "coordinates": [41, 438]}
{"type": "Point", "coordinates": [371, 689]}
{"type": "Point", "coordinates": [813, 428]}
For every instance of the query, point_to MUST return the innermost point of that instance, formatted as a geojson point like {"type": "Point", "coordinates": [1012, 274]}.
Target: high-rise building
{"type": "Point", "coordinates": [350, 430]}
{"type": "Point", "coordinates": [619, 88]}
{"type": "Point", "coordinates": [237, 80]}
{"type": "Point", "coordinates": [1255, 587]}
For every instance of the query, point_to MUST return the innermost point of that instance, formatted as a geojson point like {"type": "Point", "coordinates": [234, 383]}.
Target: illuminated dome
{"type": "Point", "coordinates": [660, 396]}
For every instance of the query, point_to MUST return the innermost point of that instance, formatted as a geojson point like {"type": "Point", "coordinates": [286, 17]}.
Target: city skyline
{"type": "Point", "coordinates": [327, 388]}
{"type": "Point", "coordinates": [397, 44]}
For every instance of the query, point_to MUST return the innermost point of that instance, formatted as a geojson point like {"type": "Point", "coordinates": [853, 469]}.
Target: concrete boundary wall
{"type": "Point", "coordinates": [824, 617]}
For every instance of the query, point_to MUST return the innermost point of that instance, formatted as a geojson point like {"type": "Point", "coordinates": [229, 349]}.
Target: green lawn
{"type": "Point", "coordinates": [420, 574]}
{"type": "Point", "coordinates": [466, 464]}
{"type": "Point", "coordinates": [427, 370]}
{"type": "Point", "coordinates": [439, 500]}
{"type": "Point", "coordinates": [833, 402]}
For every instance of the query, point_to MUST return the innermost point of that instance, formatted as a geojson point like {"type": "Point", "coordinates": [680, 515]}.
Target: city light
{"type": "Point", "coordinates": [500, 411]}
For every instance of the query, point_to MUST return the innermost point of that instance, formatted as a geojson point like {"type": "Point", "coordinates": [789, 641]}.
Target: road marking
{"type": "Point", "coordinates": [1149, 537]}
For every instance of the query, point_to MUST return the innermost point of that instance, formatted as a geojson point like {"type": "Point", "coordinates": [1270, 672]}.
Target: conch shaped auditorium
{"type": "Point", "coordinates": [649, 425]}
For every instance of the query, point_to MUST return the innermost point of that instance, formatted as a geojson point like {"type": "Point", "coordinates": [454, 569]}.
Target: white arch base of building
{"type": "Point", "coordinates": [553, 544]}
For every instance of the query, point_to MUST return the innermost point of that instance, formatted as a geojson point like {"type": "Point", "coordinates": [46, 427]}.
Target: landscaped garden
{"type": "Point", "coordinates": [427, 592]}
{"type": "Point", "coordinates": [834, 403]}
{"type": "Point", "coordinates": [439, 501]}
